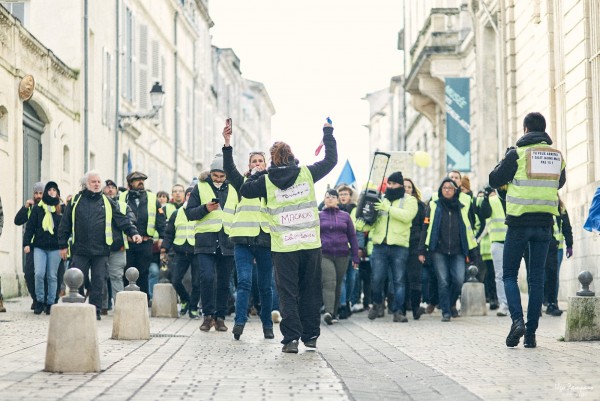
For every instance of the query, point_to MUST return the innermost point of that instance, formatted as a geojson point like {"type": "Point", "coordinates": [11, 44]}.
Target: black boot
{"type": "Point", "coordinates": [415, 301]}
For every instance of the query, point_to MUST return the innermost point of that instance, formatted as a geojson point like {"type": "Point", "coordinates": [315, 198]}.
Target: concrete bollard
{"type": "Point", "coordinates": [131, 321]}
{"type": "Point", "coordinates": [583, 313]}
{"type": "Point", "coordinates": [164, 301]}
{"type": "Point", "coordinates": [472, 298]}
{"type": "Point", "coordinates": [72, 345]}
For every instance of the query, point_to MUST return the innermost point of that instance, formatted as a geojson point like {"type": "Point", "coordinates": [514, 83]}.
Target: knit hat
{"type": "Point", "coordinates": [396, 177]}
{"type": "Point", "coordinates": [217, 163]}
{"type": "Point", "coordinates": [39, 186]}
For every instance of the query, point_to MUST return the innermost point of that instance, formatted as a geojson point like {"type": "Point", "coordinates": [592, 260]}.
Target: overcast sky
{"type": "Point", "coordinates": [317, 58]}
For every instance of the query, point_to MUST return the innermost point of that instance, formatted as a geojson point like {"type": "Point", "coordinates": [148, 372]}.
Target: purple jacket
{"type": "Point", "coordinates": [337, 230]}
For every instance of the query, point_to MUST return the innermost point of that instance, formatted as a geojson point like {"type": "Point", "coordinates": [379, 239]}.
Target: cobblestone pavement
{"type": "Point", "coordinates": [357, 359]}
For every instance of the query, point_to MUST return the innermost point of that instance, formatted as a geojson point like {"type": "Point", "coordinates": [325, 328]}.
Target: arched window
{"type": "Point", "coordinates": [66, 159]}
{"type": "Point", "coordinates": [3, 123]}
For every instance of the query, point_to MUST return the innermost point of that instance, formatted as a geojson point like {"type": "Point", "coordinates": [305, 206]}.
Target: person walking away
{"type": "Point", "coordinates": [348, 205]}
{"type": "Point", "coordinates": [390, 235]}
{"type": "Point", "coordinates": [337, 231]}
{"type": "Point", "coordinates": [212, 205]}
{"type": "Point", "coordinates": [295, 237]}
{"type": "Point", "coordinates": [448, 236]}
{"type": "Point", "coordinates": [41, 238]}
{"type": "Point", "coordinates": [150, 220]}
{"type": "Point", "coordinates": [563, 234]}
{"type": "Point", "coordinates": [180, 237]}
{"type": "Point", "coordinates": [88, 222]}
{"type": "Point", "coordinates": [534, 172]}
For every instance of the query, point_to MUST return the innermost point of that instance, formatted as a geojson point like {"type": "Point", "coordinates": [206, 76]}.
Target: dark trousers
{"type": "Point", "coordinates": [182, 262]}
{"type": "Point", "coordinates": [140, 257]}
{"type": "Point", "coordinates": [551, 282]}
{"type": "Point", "coordinates": [99, 267]}
{"type": "Point", "coordinates": [490, 282]}
{"type": "Point", "coordinates": [29, 273]}
{"type": "Point", "coordinates": [298, 278]}
{"type": "Point", "coordinates": [219, 267]}
{"type": "Point", "coordinates": [413, 283]}
{"type": "Point", "coordinates": [364, 282]}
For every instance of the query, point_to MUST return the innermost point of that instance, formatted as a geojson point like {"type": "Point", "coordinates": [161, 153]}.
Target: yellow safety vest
{"type": "Point", "coordinates": [534, 188]}
{"type": "Point", "coordinates": [220, 218]}
{"type": "Point", "coordinates": [497, 225]}
{"type": "Point", "coordinates": [123, 209]}
{"type": "Point", "coordinates": [107, 219]}
{"type": "Point", "coordinates": [293, 215]}
{"type": "Point", "coordinates": [169, 209]}
{"type": "Point", "coordinates": [184, 229]}
{"type": "Point", "coordinates": [249, 218]}
{"type": "Point", "coordinates": [397, 231]}
{"type": "Point", "coordinates": [464, 213]}
{"type": "Point", "coordinates": [151, 228]}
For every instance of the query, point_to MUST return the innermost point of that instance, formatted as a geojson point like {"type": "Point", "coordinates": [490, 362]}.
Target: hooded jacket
{"type": "Point", "coordinates": [196, 210]}
{"type": "Point", "coordinates": [36, 236]}
{"type": "Point", "coordinates": [337, 231]}
{"type": "Point", "coordinates": [505, 171]}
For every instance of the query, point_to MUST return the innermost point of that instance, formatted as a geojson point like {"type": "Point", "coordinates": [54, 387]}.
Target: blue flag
{"type": "Point", "coordinates": [347, 175]}
{"type": "Point", "coordinates": [129, 165]}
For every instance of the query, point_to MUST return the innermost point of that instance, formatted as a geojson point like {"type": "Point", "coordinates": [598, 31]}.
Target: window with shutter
{"type": "Point", "coordinates": [143, 68]}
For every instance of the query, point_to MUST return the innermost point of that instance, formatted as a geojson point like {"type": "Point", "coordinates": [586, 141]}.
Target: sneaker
{"type": "Point", "coordinates": [516, 332]}
{"type": "Point", "coordinates": [418, 313]}
{"type": "Point", "coordinates": [194, 314]}
{"type": "Point", "coordinates": [312, 343]}
{"type": "Point", "coordinates": [47, 309]}
{"type": "Point", "coordinates": [430, 309]}
{"type": "Point", "coordinates": [207, 323]}
{"type": "Point", "coordinates": [327, 318]}
{"type": "Point", "coordinates": [33, 304]}
{"type": "Point", "coordinates": [104, 311]}
{"type": "Point", "coordinates": [39, 308]}
{"type": "Point", "coordinates": [454, 311]}
{"type": "Point", "coordinates": [357, 308]}
{"type": "Point", "coordinates": [529, 341]}
{"type": "Point", "coordinates": [334, 320]}
{"type": "Point", "coordinates": [184, 309]}
{"type": "Point", "coordinates": [553, 310]}
{"type": "Point", "coordinates": [502, 310]}
{"type": "Point", "coordinates": [446, 317]}
{"type": "Point", "coordinates": [373, 312]}
{"type": "Point", "coordinates": [276, 316]}
{"type": "Point", "coordinates": [220, 324]}
{"type": "Point", "coordinates": [237, 331]}
{"type": "Point", "coordinates": [343, 312]}
{"type": "Point", "coordinates": [399, 317]}
{"type": "Point", "coordinates": [494, 305]}
{"type": "Point", "coordinates": [268, 333]}
{"type": "Point", "coordinates": [291, 347]}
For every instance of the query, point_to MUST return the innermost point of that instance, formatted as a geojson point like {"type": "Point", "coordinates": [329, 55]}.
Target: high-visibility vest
{"type": "Point", "coordinates": [123, 209]}
{"type": "Point", "coordinates": [497, 225]}
{"type": "Point", "coordinates": [107, 219]}
{"type": "Point", "coordinates": [220, 218]}
{"type": "Point", "coordinates": [184, 229]}
{"type": "Point", "coordinates": [169, 209]}
{"type": "Point", "coordinates": [534, 188]}
{"type": "Point", "coordinates": [151, 228]}
{"type": "Point", "coordinates": [293, 215]}
{"type": "Point", "coordinates": [485, 247]}
{"type": "Point", "coordinates": [249, 218]}
{"type": "Point", "coordinates": [395, 232]}
{"type": "Point", "coordinates": [464, 213]}
{"type": "Point", "coordinates": [558, 234]}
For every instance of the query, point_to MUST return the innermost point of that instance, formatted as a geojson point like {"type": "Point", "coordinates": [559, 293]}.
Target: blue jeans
{"type": "Point", "coordinates": [153, 275]}
{"type": "Point", "coordinates": [396, 258]}
{"type": "Point", "coordinates": [215, 276]}
{"type": "Point", "coordinates": [517, 240]}
{"type": "Point", "coordinates": [348, 284]}
{"type": "Point", "coordinates": [244, 261]}
{"type": "Point", "coordinates": [46, 265]}
{"type": "Point", "coordinates": [450, 274]}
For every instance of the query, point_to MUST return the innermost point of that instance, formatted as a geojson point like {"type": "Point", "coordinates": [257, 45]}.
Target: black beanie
{"type": "Point", "coordinates": [396, 177]}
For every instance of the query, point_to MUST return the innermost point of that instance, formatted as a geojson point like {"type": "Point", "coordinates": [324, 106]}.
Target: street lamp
{"type": "Point", "coordinates": [157, 98]}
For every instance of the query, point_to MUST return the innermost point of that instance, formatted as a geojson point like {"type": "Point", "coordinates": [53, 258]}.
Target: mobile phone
{"type": "Point", "coordinates": [328, 120]}
{"type": "Point", "coordinates": [228, 121]}
{"type": "Point", "coordinates": [215, 200]}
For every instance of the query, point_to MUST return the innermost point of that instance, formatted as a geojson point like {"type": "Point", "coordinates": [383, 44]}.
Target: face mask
{"type": "Point", "coordinates": [394, 193]}
{"type": "Point", "coordinates": [217, 184]}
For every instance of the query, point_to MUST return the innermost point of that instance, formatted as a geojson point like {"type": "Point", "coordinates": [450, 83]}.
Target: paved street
{"type": "Point", "coordinates": [356, 360]}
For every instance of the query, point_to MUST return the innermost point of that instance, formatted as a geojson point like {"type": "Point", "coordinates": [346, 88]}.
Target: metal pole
{"type": "Point", "coordinates": [117, 89]}
{"type": "Point", "coordinates": [176, 91]}
{"type": "Point", "coordinates": [86, 155]}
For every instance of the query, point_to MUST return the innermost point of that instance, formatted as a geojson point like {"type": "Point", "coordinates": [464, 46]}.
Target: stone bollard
{"type": "Point", "coordinates": [164, 301]}
{"type": "Point", "coordinates": [583, 312]}
{"type": "Point", "coordinates": [72, 334]}
{"type": "Point", "coordinates": [131, 321]}
{"type": "Point", "coordinates": [472, 298]}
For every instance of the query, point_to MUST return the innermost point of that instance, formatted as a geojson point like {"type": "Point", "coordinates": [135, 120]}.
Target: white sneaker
{"type": "Point", "coordinates": [276, 316]}
{"type": "Point", "coordinates": [502, 310]}
{"type": "Point", "coordinates": [357, 308]}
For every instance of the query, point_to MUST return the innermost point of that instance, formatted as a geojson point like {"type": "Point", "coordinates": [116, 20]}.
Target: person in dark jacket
{"type": "Point", "coordinates": [448, 235]}
{"type": "Point", "coordinates": [41, 237]}
{"type": "Point", "coordinates": [347, 296]}
{"type": "Point", "coordinates": [86, 223]}
{"type": "Point", "coordinates": [150, 223]}
{"type": "Point", "coordinates": [295, 243]}
{"type": "Point", "coordinates": [413, 272]}
{"type": "Point", "coordinates": [21, 218]}
{"type": "Point", "coordinates": [337, 231]}
{"type": "Point", "coordinates": [252, 242]}
{"type": "Point", "coordinates": [212, 204]}
{"type": "Point", "coordinates": [179, 236]}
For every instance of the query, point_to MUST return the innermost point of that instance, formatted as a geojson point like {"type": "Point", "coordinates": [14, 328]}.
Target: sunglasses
{"type": "Point", "coordinates": [257, 153]}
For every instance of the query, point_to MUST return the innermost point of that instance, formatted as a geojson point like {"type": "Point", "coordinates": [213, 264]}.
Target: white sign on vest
{"type": "Point", "coordinates": [296, 191]}
{"type": "Point", "coordinates": [298, 237]}
{"type": "Point", "coordinates": [544, 163]}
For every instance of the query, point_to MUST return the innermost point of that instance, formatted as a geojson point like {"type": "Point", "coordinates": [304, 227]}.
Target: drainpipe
{"type": "Point", "coordinates": [176, 92]}
{"type": "Point", "coordinates": [86, 146]}
{"type": "Point", "coordinates": [193, 152]}
{"type": "Point", "coordinates": [117, 89]}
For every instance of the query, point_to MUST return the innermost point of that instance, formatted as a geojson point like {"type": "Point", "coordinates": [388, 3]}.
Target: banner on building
{"type": "Point", "coordinates": [458, 124]}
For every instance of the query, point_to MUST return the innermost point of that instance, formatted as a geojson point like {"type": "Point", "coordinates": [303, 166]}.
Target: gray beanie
{"type": "Point", "coordinates": [39, 186]}
{"type": "Point", "coordinates": [217, 163]}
